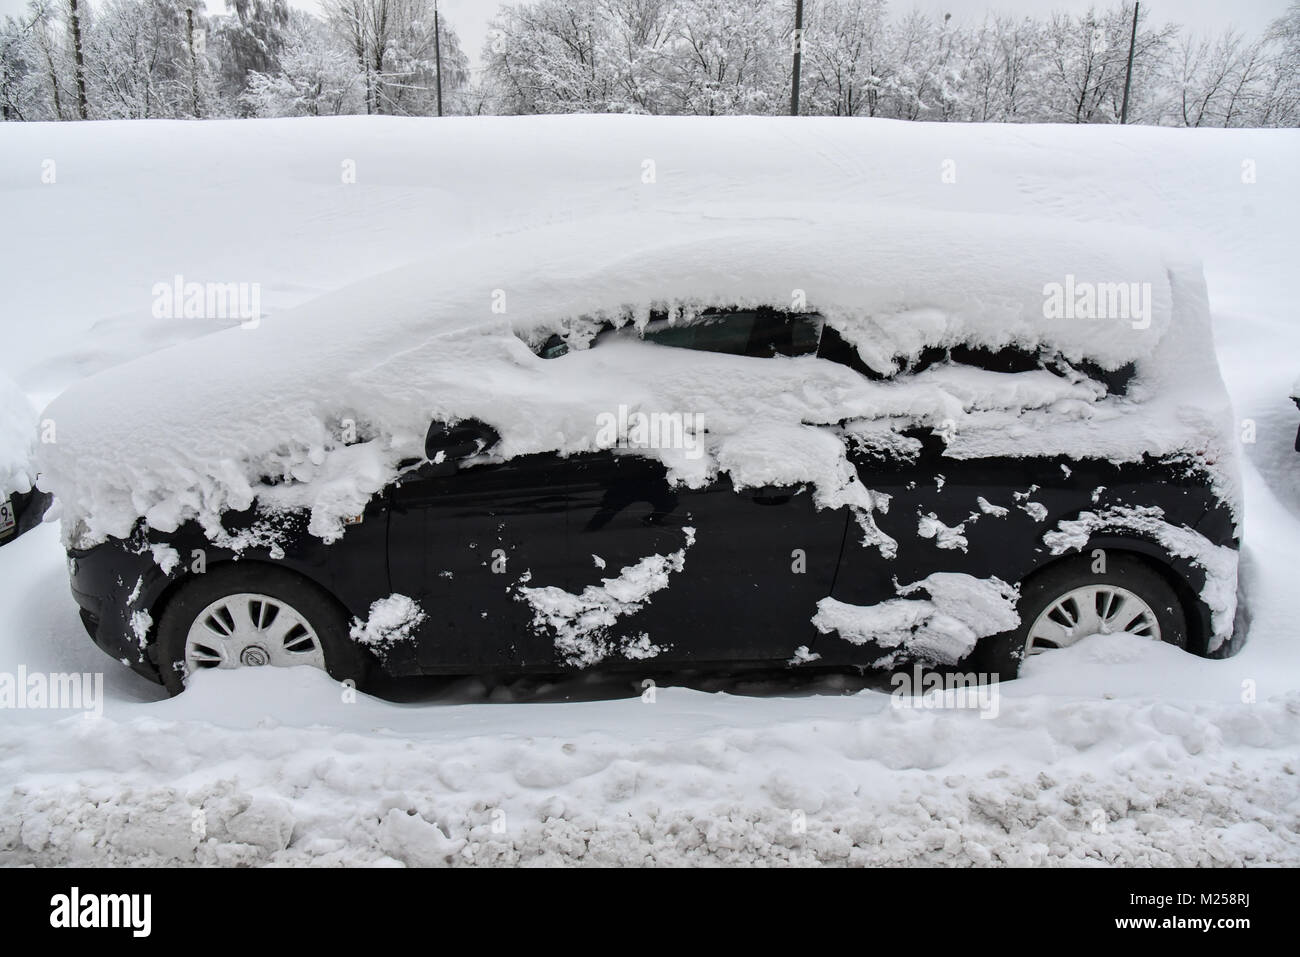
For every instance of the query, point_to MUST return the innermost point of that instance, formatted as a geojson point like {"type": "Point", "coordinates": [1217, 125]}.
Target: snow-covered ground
{"type": "Point", "coordinates": [1114, 751]}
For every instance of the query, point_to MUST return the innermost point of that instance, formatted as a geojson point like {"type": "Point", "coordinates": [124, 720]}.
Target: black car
{"type": "Point", "coordinates": [473, 541]}
{"type": "Point", "coordinates": [1295, 397]}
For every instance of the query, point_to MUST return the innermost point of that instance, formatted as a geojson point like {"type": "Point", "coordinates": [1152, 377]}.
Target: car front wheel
{"type": "Point", "coordinates": [249, 616]}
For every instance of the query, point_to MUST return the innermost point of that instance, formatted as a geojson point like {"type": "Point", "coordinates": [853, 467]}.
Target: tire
{"type": "Point", "coordinates": [299, 624]}
{"type": "Point", "coordinates": [1003, 654]}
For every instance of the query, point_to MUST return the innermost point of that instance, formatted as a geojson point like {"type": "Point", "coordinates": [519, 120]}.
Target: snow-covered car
{"type": "Point", "coordinates": [658, 462]}
{"type": "Point", "coordinates": [21, 512]}
{"type": "Point", "coordinates": [22, 505]}
{"type": "Point", "coordinates": [1295, 397]}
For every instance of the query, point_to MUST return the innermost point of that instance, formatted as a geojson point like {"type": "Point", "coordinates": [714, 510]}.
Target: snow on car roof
{"type": "Point", "coordinates": [192, 430]}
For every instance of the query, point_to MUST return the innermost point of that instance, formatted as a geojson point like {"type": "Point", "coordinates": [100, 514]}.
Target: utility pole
{"type": "Point", "coordinates": [437, 54]}
{"type": "Point", "coordinates": [1128, 77]}
{"type": "Point", "coordinates": [798, 52]}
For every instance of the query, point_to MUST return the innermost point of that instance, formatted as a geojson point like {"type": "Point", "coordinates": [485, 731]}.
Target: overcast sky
{"type": "Point", "coordinates": [470, 17]}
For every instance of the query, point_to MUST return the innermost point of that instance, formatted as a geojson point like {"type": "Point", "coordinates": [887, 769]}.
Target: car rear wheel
{"type": "Point", "coordinates": [1070, 602]}
{"type": "Point", "coordinates": [249, 616]}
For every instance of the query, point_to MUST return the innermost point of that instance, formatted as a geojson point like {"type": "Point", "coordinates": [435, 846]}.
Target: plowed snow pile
{"type": "Point", "coordinates": [1114, 751]}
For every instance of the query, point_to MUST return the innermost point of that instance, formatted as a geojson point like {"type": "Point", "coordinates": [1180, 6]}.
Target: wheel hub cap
{"type": "Point", "coordinates": [251, 630]}
{"type": "Point", "coordinates": [1091, 610]}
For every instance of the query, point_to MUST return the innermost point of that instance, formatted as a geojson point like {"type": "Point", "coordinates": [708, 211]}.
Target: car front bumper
{"type": "Point", "coordinates": [112, 584]}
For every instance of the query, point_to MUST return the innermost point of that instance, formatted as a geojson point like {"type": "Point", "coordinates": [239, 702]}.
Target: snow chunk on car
{"type": "Point", "coordinates": [391, 620]}
{"type": "Point", "coordinates": [941, 629]}
{"type": "Point", "coordinates": [580, 623]}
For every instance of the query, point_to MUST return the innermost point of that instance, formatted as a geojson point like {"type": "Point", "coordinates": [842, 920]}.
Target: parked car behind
{"type": "Point", "coordinates": [1295, 397]}
{"type": "Point", "coordinates": [22, 506]}
{"type": "Point", "coordinates": [21, 512]}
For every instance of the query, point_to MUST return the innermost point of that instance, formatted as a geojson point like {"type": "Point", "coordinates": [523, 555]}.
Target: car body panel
{"type": "Point", "coordinates": [738, 598]}
{"type": "Point", "coordinates": [1038, 494]}
{"type": "Point", "coordinates": [757, 563]}
{"type": "Point", "coordinates": [458, 545]}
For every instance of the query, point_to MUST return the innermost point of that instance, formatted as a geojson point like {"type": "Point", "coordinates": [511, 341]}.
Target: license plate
{"type": "Point", "coordinates": [7, 520]}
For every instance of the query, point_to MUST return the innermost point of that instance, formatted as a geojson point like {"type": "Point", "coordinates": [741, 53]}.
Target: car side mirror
{"type": "Point", "coordinates": [450, 444]}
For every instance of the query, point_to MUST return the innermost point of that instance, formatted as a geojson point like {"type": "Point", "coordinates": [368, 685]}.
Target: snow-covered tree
{"type": "Point", "coordinates": [42, 72]}
{"type": "Point", "coordinates": [392, 43]}
{"type": "Point", "coordinates": [645, 56]}
{"type": "Point", "coordinates": [1003, 59]}
{"type": "Point", "coordinates": [248, 39]}
{"type": "Point", "coordinates": [922, 52]}
{"type": "Point", "coordinates": [1220, 81]}
{"type": "Point", "coordinates": [60, 59]}
{"type": "Point", "coordinates": [49, 57]}
{"type": "Point", "coordinates": [1086, 62]}
{"type": "Point", "coordinates": [733, 56]}
{"type": "Point", "coordinates": [315, 77]}
{"type": "Point", "coordinates": [552, 56]}
{"type": "Point", "coordinates": [409, 84]}
{"type": "Point", "coordinates": [640, 35]}
{"type": "Point", "coordinates": [21, 94]}
{"type": "Point", "coordinates": [143, 61]}
{"type": "Point", "coordinates": [1280, 102]}
{"type": "Point", "coordinates": [846, 58]}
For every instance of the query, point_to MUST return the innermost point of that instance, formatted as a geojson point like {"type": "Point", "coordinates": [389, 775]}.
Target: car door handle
{"type": "Point", "coordinates": [775, 494]}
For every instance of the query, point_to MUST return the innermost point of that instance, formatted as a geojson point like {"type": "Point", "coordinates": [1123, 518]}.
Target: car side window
{"type": "Point", "coordinates": [726, 332]}
{"type": "Point", "coordinates": [784, 334]}
{"type": "Point", "coordinates": [757, 333]}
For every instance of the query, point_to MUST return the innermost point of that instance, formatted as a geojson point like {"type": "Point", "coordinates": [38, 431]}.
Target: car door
{"type": "Point", "coordinates": [595, 558]}
{"type": "Point", "coordinates": [745, 568]}
{"type": "Point", "coordinates": [464, 544]}
{"type": "Point", "coordinates": [739, 572]}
